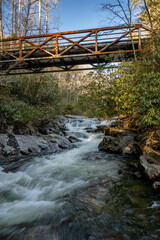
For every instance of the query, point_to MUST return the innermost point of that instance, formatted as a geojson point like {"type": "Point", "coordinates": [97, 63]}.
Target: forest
{"type": "Point", "coordinates": [131, 90]}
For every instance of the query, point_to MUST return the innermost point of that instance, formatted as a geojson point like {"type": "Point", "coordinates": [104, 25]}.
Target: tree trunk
{"type": "Point", "coordinates": [15, 17]}
{"type": "Point", "coordinates": [40, 9]}
{"type": "Point", "coordinates": [12, 15]}
{"type": "Point", "coordinates": [19, 17]}
{"type": "Point", "coordinates": [133, 46]}
{"type": "Point", "coordinates": [1, 28]}
{"type": "Point", "coordinates": [47, 10]}
{"type": "Point", "coordinates": [149, 15]}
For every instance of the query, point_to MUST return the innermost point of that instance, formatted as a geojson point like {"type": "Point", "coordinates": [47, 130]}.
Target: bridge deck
{"type": "Point", "coordinates": [67, 49]}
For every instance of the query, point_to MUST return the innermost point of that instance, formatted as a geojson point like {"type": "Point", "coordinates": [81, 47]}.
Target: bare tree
{"type": "Point", "coordinates": [12, 15]}
{"type": "Point", "coordinates": [50, 6]}
{"type": "Point", "coordinates": [1, 27]}
{"type": "Point", "coordinates": [145, 9]}
{"type": "Point", "coordinates": [19, 17]}
{"type": "Point", "coordinates": [123, 13]}
{"type": "Point", "coordinates": [26, 17]}
{"type": "Point", "coordinates": [40, 12]}
{"type": "Point", "coordinates": [47, 16]}
{"type": "Point", "coordinates": [149, 15]}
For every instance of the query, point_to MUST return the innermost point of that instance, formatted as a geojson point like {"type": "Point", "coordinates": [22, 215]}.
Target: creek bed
{"type": "Point", "coordinates": [78, 194]}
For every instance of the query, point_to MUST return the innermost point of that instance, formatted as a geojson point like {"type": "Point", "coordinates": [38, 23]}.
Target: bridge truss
{"type": "Point", "coordinates": [63, 51]}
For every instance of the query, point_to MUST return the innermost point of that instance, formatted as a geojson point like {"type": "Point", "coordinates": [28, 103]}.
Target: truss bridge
{"type": "Point", "coordinates": [63, 51]}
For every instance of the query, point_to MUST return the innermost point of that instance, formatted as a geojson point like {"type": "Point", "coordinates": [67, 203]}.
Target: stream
{"type": "Point", "coordinates": [78, 194]}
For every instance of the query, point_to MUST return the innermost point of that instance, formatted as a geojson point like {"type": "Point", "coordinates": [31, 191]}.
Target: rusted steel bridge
{"type": "Point", "coordinates": [64, 50]}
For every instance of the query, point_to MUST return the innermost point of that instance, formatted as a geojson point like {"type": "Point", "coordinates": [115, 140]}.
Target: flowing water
{"type": "Point", "coordinates": [78, 194]}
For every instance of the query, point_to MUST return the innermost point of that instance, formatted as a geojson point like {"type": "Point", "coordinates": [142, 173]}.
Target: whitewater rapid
{"type": "Point", "coordinates": [40, 188]}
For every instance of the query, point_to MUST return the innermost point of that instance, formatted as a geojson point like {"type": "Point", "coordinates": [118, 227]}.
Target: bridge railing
{"type": "Point", "coordinates": [98, 41]}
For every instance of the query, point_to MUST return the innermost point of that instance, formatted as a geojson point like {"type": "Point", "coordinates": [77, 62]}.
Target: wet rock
{"type": "Point", "coordinates": [61, 141]}
{"type": "Point", "coordinates": [15, 146]}
{"type": "Point", "coordinates": [27, 129]}
{"type": "Point", "coordinates": [73, 139]}
{"type": "Point", "coordinates": [100, 128]}
{"type": "Point", "coordinates": [126, 140]}
{"type": "Point", "coordinates": [76, 117]}
{"type": "Point", "coordinates": [80, 135]}
{"type": "Point", "coordinates": [121, 132]}
{"type": "Point", "coordinates": [153, 158]}
{"type": "Point", "coordinates": [156, 186]}
{"type": "Point", "coordinates": [90, 130]}
{"type": "Point", "coordinates": [10, 129]}
{"type": "Point", "coordinates": [129, 146]}
{"type": "Point", "coordinates": [30, 144]}
{"type": "Point", "coordinates": [133, 164]}
{"type": "Point", "coordinates": [108, 236]}
{"type": "Point", "coordinates": [151, 170]}
{"type": "Point", "coordinates": [19, 145]}
{"type": "Point", "coordinates": [52, 127]}
{"type": "Point", "coordinates": [96, 156]}
{"type": "Point", "coordinates": [110, 144]}
{"type": "Point", "coordinates": [137, 175]}
{"type": "Point", "coordinates": [5, 149]}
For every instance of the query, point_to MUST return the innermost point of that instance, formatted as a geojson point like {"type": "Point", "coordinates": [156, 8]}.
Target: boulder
{"type": "Point", "coordinates": [156, 186]}
{"type": "Point", "coordinates": [61, 141]}
{"type": "Point", "coordinates": [152, 158]}
{"type": "Point", "coordinates": [129, 145]}
{"type": "Point", "coordinates": [52, 127]}
{"type": "Point", "coordinates": [100, 128]}
{"type": "Point", "coordinates": [27, 129]}
{"type": "Point", "coordinates": [110, 144]}
{"type": "Point", "coordinates": [31, 144]}
{"type": "Point", "coordinates": [151, 170]}
{"type": "Point", "coordinates": [125, 140]}
{"type": "Point", "coordinates": [118, 132]}
{"type": "Point", "coordinates": [6, 148]}
{"type": "Point", "coordinates": [73, 139]}
{"type": "Point", "coordinates": [16, 146]}
{"type": "Point", "coordinates": [90, 130]}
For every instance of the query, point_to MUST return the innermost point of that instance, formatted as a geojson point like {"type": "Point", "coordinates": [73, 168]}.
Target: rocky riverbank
{"type": "Point", "coordinates": [16, 143]}
{"type": "Point", "coordinates": [50, 137]}
{"type": "Point", "coordinates": [23, 141]}
{"type": "Point", "coordinates": [120, 139]}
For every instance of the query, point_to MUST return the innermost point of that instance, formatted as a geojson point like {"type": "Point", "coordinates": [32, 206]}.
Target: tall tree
{"type": "Point", "coordinates": [149, 12]}
{"type": "Point", "coordinates": [123, 12]}
{"type": "Point", "coordinates": [40, 13]}
{"type": "Point", "coordinates": [19, 17]}
{"type": "Point", "coordinates": [28, 16]}
{"type": "Point", "coordinates": [12, 17]}
{"type": "Point", "coordinates": [1, 28]}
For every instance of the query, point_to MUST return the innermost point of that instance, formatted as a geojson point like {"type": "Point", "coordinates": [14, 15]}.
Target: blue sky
{"type": "Point", "coordinates": [80, 14]}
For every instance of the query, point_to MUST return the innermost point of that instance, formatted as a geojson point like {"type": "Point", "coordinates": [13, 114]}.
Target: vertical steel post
{"type": "Point", "coordinates": [20, 49]}
{"type": "Point", "coordinates": [96, 41]}
{"type": "Point", "coordinates": [139, 39]}
{"type": "Point", "coordinates": [56, 45]}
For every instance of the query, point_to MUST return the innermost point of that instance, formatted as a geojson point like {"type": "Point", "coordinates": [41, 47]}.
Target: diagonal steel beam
{"type": "Point", "coordinates": [76, 43]}
{"type": "Point", "coordinates": [83, 38]}
{"type": "Point", "coordinates": [8, 53]}
{"type": "Point", "coordinates": [38, 47]}
{"type": "Point", "coordinates": [117, 40]}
